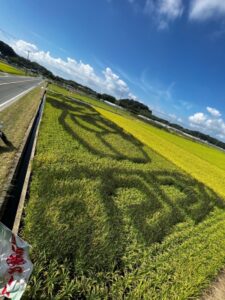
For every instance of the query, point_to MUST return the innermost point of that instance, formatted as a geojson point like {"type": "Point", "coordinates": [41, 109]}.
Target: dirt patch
{"type": "Point", "coordinates": [217, 289]}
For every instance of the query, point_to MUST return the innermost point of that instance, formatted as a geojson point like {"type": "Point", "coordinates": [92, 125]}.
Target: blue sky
{"type": "Point", "coordinates": [170, 54]}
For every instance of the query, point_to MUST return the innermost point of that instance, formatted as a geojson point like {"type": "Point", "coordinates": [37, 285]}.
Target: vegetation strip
{"type": "Point", "coordinates": [31, 152]}
{"type": "Point", "coordinates": [12, 216]}
{"type": "Point", "coordinates": [4, 67]}
{"type": "Point", "coordinates": [109, 218]}
{"type": "Point", "coordinates": [15, 127]}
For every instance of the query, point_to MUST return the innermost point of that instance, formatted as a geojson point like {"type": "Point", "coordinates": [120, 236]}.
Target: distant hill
{"type": "Point", "coordinates": [13, 58]}
{"type": "Point", "coordinates": [6, 50]}
{"type": "Point", "coordinates": [131, 105]}
{"type": "Point", "coordinates": [10, 55]}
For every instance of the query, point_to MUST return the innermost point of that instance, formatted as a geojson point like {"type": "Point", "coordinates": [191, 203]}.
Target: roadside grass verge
{"type": "Point", "coordinates": [109, 218]}
{"type": "Point", "coordinates": [10, 69]}
{"type": "Point", "coordinates": [16, 119]}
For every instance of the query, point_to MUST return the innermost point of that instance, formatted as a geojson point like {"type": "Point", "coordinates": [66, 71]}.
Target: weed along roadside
{"type": "Point", "coordinates": [15, 198]}
{"type": "Point", "coordinates": [15, 265]}
{"type": "Point", "coordinates": [11, 194]}
{"type": "Point", "coordinates": [108, 217]}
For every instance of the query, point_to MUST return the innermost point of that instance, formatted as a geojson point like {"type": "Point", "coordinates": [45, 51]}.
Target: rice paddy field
{"type": "Point", "coordinates": [205, 163]}
{"type": "Point", "coordinates": [5, 68]}
{"type": "Point", "coordinates": [88, 99]}
{"type": "Point", "coordinates": [114, 212]}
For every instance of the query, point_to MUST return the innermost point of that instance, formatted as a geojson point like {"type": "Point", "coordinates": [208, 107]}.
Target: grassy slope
{"type": "Point", "coordinates": [202, 162]}
{"type": "Point", "coordinates": [10, 69]}
{"type": "Point", "coordinates": [16, 119]}
{"type": "Point", "coordinates": [110, 218]}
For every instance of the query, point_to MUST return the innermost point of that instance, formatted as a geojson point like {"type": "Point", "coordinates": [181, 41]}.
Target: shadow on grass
{"type": "Point", "coordinates": [100, 129]}
{"type": "Point", "coordinates": [5, 149]}
{"type": "Point", "coordinates": [159, 210]}
{"type": "Point", "coordinates": [149, 202]}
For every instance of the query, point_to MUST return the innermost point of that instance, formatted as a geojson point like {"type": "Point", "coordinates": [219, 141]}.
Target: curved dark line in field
{"type": "Point", "coordinates": [66, 108]}
{"type": "Point", "coordinates": [198, 201]}
{"type": "Point", "coordinates": [91, 120]}
{"type": "Point", "coordinates": [177, 210]}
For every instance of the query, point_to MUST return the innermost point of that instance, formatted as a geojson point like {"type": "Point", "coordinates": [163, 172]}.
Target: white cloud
{"type": "Point", "coordinates": [201, 10]}
{"type": "Point", "coordinates": [198, 118]}
{"type": "Point", "coordinates": [211, 124]}
{"type": "Point", "coordinates": [214, 112]}
{"type": "Point", "coordinates": [107, 82]}
{"type": "Point", "coordinates": [164, 11]}
{"type": "Point", "coordinates": [22, 47]}
{"type": "Point", "coordinates": [174, 118]}
{"type": "Point", "coordinates": [171, 9]}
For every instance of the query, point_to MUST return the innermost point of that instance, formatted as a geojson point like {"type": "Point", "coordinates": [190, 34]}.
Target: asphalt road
{"type": "Point", "coordinates": [13, 86]}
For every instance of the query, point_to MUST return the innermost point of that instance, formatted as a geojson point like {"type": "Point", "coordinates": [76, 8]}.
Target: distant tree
{"type": "Point", "coordinates": [6, 50]}
{"type": "Point", "coordinates": [109, 98]}
{"type": "Point", "coordinates": [135, 107]}
{"type": "Point", "coordinates": [99, 96]}
{"type": "Point", "coordinates": [132, 105]}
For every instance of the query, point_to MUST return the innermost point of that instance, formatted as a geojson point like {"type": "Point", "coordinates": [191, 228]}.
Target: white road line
{"type": "Point", "coordinates": [17, 81]}
{"type": "Point", "coordinates": [17, 96]}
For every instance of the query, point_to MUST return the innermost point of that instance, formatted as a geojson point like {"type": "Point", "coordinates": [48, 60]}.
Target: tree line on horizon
{"type": "Point", "coordinates": [133, 106]}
